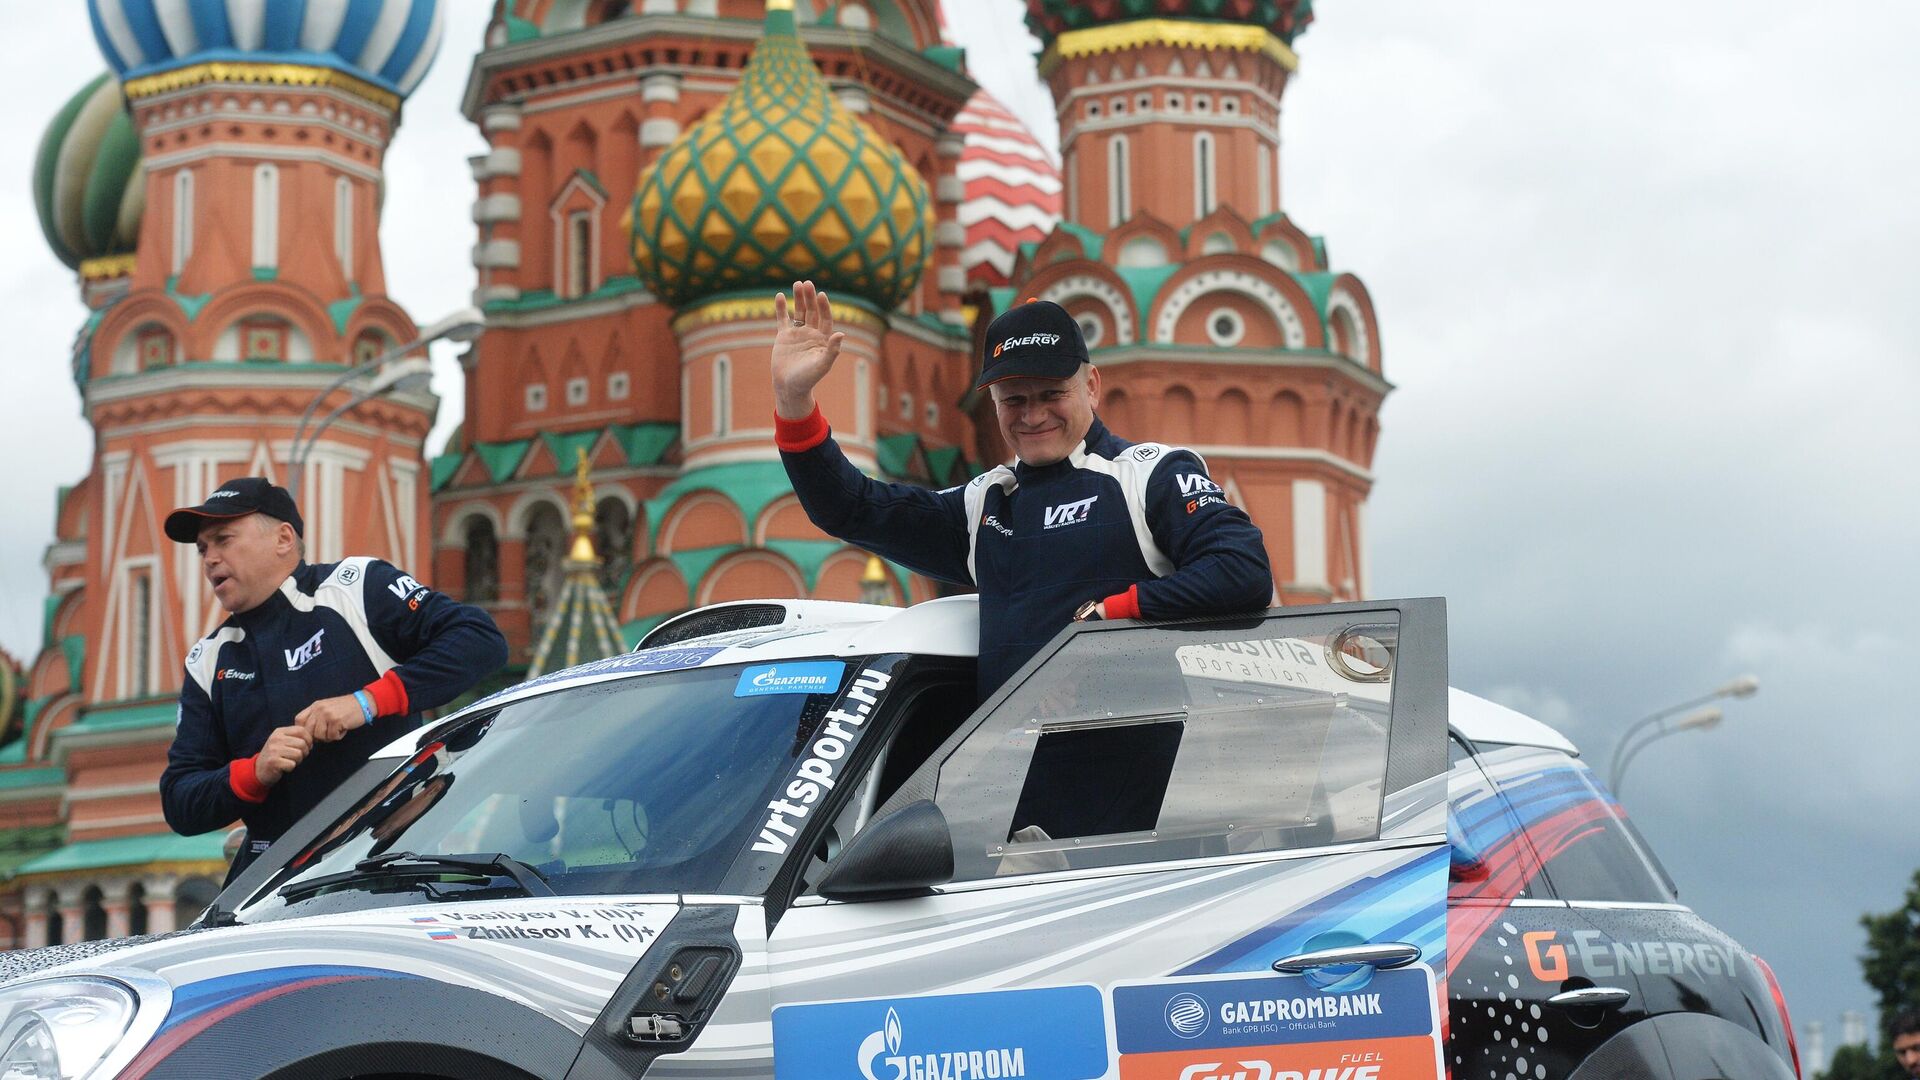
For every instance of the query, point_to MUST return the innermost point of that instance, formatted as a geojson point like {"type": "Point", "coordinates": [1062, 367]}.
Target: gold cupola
{"type": "Point", "coordinates": [779, 182]}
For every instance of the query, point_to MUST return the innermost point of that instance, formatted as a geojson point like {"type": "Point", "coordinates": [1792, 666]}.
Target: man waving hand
{"type": "Point", "coordinates": [1084, 524]}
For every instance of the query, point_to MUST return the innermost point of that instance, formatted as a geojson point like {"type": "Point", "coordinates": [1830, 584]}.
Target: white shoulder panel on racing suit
{"type": "Point", "coordinates": [999, 476]}
{"type": "Point", "coordinates": [345, 591]}
{"type": "Point", "coordinates": [1133, 469]}
{"type": "Point", "coordinates": [205, 654]}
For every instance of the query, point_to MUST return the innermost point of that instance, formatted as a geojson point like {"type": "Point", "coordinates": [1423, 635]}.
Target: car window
{"type": "Point", "coordinates": [655, 784]}
{"type": "Point", "coordinates": [1148, 744]}
{"type": "Point", "coordinates": [1589, 850]}
{"type": "Point", "coordinates": [1492, 860]}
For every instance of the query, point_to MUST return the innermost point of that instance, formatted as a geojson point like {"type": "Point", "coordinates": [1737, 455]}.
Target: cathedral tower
{"type": "Point", "coordinates": [1216, 322]}
{"type": "Point", "coordinates": [219, 195]}
{"type": "Point", "coordinates": [656, 170]}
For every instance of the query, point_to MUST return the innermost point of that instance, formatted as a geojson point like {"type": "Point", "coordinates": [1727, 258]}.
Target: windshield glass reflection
{"type": "Point", "coordinates": [648, 785]}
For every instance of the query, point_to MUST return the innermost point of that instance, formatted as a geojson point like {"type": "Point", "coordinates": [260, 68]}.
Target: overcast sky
{"type": "Point", "coordinates": [1645, 286]}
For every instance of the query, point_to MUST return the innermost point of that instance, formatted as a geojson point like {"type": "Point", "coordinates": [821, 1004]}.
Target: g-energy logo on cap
{"type": "Point", "coordinates": [1030, 339]}
{"type": "Point", "coordinates": [222, 495]}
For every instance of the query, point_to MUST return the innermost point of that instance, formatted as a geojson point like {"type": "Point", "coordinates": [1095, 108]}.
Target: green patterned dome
{"type": "Point", "coordinates": [776, 183]}
{"type": "Point", "coordinates": [88, 183]}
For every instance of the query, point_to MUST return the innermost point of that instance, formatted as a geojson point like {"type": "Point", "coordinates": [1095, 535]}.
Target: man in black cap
{"type": "Point", "coordinates": [1083, 525]}
{"type": "Point", "coordinates": [317, 667]}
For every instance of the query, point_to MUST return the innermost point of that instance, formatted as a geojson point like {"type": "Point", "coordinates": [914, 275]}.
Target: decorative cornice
{"type": "Point", "coordinates": [243, 72]}
{"type": "Point", "coordinates": [738, 309]}
{"type": "Point", "coordinates": [1178, 33]}
{"type": "Point", "coordinates": [106, 267]}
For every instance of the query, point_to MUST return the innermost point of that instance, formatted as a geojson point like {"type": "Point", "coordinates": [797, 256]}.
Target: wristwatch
{"type": "Point", "coordinates": [1087, 612]}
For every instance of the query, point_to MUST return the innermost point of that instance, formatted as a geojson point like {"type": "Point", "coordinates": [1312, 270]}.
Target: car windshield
{"type": "Point", "coordinates": [645, 785]}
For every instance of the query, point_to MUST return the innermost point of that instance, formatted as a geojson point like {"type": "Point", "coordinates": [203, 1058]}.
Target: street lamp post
{"type": "Point", "coordinates": [463, 326]}
{"type": "Point", "coordinates": [1702, 718]}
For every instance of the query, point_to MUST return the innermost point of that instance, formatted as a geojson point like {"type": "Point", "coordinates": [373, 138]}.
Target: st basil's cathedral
{"type": "Point", "coordinates": [655, 171]}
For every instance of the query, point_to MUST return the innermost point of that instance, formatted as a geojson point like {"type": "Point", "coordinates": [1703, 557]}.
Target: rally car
{"type": "Point", "coordinates": [779, 839]}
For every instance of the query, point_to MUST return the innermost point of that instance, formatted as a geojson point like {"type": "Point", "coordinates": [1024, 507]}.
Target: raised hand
{"type": "Point", "coordinates": [804, 348]}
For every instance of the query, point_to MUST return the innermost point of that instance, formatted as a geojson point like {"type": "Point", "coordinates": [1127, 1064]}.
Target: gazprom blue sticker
{"type": "Point", "coordinates": [809, 677]}
{"type": "Point", "coordinates": [1056, 1032]}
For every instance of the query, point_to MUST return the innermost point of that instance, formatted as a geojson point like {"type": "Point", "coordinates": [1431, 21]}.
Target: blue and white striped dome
{"type": "Point", "coordinates": [389, 43]}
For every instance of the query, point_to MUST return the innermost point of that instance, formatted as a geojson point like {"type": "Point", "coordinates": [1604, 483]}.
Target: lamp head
{"type": "Point", "coordinates": [1700, 719]}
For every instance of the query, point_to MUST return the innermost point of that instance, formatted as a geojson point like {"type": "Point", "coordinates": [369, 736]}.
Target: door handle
{"type": "Point", "coordinates": [1391, 954]}
{"type": "Point", "coordinates": [1591, 997]}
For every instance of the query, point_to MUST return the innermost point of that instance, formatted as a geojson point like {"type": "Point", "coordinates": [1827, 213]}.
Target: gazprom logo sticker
{"type": "Point", "coordinates": [814, 677]}
{"type": "Point", "coordinates": [1186, 1015]}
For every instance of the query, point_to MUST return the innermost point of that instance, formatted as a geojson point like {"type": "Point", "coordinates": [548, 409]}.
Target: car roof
{"type": "Point", "coordinates": [749, 631]}
{"type": "Point", "coordinates": [1481, 721]}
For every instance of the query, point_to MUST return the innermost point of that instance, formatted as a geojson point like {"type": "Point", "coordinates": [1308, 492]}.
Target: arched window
{"type": "Point", "coordinates": [1176, 415]}
{"type": "Point", "coordinates": [266, 217]}
{"type": "Point", "coordinates": [483, 561]}
{"type": "Point", "coordinates": [93, 915]}
{"type": "Point", "coordinates": [368, 346]}
{"type": "Point", "coordinates": [722, 395]}
{"type": "Point", "coordinates": [1073, 187]}
{"type": "Point", "coordinates": [862, 400]}
{"type": "Point", "coordinates": [1204, 170]}
{"type": "Point", "coordinates": [136, 908]}
{"type": "Point", "coordinates": [191, 898]}
{"type": "Point", "coordinates": [613, 542]}
{"type": "Point", "coordinates": [182, 219]}
{"type": "Point", "coordinates": [140, 636]}
{"type": "Point", "coordinates": [546, 552]}
{"type": "Point", "coordinates": [1263, 180]}
{"type": "Point", "coordinates": [343, 224]}
{"type": "Point", "coordinates": [1119, 193]}
{"type": "Point", "coordinates": [56, 922]}
{"type": "Point", "coordinates": [579, 241]}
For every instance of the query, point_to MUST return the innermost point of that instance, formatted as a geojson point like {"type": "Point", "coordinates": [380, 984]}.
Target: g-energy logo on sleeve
{"type": "Point", "coordinates": [818, 773]}
{"type": "Point", "coordinates": [1030, 339]}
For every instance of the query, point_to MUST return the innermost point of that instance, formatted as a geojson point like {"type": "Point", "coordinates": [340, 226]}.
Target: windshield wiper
{"type": "Point", "coordinates": [395, 864]}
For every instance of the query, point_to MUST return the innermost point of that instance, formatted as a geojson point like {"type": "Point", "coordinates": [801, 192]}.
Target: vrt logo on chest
{"type": "Point", "coordinates": [1072, 513]}
{"type": "Point", "coordinates": [302, 656]}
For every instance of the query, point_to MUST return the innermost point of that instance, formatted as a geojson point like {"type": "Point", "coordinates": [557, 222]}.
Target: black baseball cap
{"type": "Point", "coordinates": [1036, 340]}
{"type": "Point", "coordinates": [234, 499]}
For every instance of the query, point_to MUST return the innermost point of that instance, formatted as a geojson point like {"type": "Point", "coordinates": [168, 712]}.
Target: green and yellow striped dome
{"type": "Point", "coordinates": [779, 182]}
{"type": "Point", "coordinates": [88, 183]}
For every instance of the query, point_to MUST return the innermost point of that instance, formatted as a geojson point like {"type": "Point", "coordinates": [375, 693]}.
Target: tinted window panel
{"type": "Point", "coordinates": [1144, 745]}
{"type": "Point", "coordinates": [1588, 849]}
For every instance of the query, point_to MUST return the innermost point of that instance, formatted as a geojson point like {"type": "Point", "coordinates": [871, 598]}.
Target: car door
{"type": "Point", "coordinates": [1143, 827]}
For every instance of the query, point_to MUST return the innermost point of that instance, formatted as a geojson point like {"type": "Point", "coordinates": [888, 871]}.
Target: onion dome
{"type": "Point", "coordinates": [780, 182]}
{"type": "Point", "coordinates": [1048, 19]}
{"type": "Point", "coordinates": [1012, 189]}
{"type": "Point", "coordinates": [388, 43]}
{"type": "Point", "coordinates": [88, 183]}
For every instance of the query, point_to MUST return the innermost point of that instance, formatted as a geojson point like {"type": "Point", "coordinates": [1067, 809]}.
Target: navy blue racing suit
{"type": "Point", "coordinates": [1138, 525]}
{"type": "Point", "coordinates": [329, 630]}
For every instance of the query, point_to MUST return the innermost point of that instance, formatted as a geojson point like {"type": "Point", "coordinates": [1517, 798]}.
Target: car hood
{"type": "Point", "coordinates": [561, 956]}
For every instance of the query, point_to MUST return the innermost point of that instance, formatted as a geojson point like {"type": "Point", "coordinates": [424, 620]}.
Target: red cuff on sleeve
{"type": "Point", "coordinates": [797, 436]}
{"type": "Point", "coordinates": [389, 695]}
{"type": "Point", "coordinates": [245, 782]}
{"type": "Point", "coordinates": [1124, 605]}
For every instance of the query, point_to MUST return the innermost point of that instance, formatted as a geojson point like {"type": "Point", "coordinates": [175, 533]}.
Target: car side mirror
{"type": "Point", "coordinates": [902, 853]}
